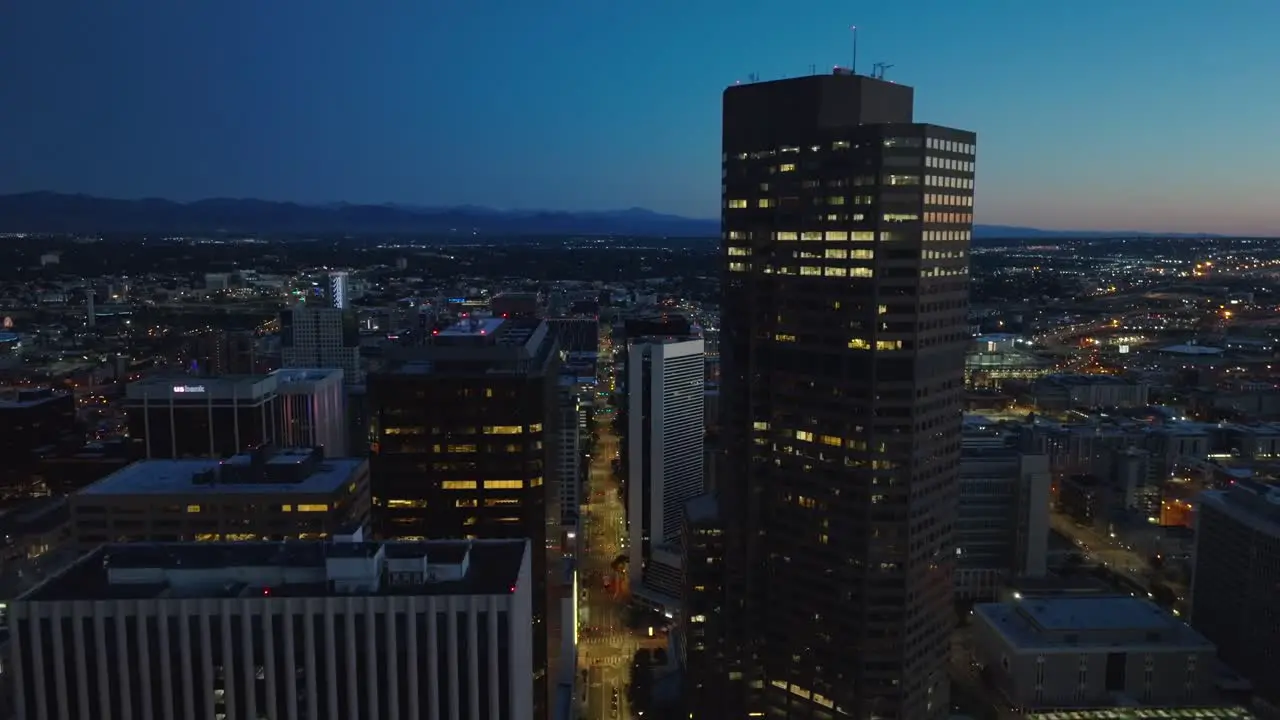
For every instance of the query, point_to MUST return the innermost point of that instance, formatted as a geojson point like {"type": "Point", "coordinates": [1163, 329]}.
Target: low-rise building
{"type": "Point", "coordinates": [1085, 651]}
{"type": "Point", "coordinates": [268, 494]}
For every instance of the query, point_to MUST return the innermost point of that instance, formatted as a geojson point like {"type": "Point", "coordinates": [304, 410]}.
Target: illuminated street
{"type": "Point", "coordinates": [606, 645]}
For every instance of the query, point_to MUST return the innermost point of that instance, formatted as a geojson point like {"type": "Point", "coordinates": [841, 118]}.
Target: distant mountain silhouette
{"type": "Point", "coordinates": [60, 213]}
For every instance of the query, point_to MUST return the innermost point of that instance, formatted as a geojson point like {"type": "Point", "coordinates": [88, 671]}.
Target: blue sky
{"type": "Point", "coordinates": [1108, 114]}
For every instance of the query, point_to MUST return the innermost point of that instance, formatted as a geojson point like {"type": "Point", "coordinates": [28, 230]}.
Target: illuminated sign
{"type": "Point", "coordinates": [188, 388]}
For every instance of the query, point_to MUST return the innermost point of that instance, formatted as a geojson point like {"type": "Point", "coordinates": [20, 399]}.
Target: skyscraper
{"type": "Point", "coordinates": [464, 446]}
{"type": "Point", "coordinates": [665, 435]}
{"type": "Point", "coordinates": [845, 293]}
{"type": "Point", "coordinates": [339, 292]}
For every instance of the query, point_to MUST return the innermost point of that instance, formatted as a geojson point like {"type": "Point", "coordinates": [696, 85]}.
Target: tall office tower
{"type": "Point", "coordinates": [1236, 578]}
{"type": "Point", "coordinates": [1002, 518]}
{"type": "Point", "coordinates": [321, 337]}
{"type": "Point", "coordinates": [702, 614]}
{"type": "Point", "coordinates": [90, 312]}
{"type": "Point", "coordinates": [464, 437]}
{"type": "Point", "coordinates": [570, 465]}
{"type": "Point", "coordinates": [846, 230]}
{"type": "Point", "coordinates": [339, 296]}
{"type": "Point", "coordinates": [665, 433]}
{"type": "Point", "coordinates": [324, 630]}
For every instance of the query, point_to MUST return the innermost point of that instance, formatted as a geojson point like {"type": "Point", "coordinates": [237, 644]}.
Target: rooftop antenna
{"type": "Point", "coordinates": [853, 67]}
{"type": "Point", "coordinates": [883, 67]}
{"type": "Point", "coordinates": [813, 69]}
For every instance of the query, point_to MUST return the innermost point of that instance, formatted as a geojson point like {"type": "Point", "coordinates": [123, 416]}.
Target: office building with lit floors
{"type": "Point", "coordinates": [846, 228]}
{"type": "Point", "coordinates": [321, 630]}
{"type": "Point", "coordinates": [665, 438]}
{"type": "Point", "coordinates": [464, 443]}
{"type": "Point", "coordinates": [1235, 586]}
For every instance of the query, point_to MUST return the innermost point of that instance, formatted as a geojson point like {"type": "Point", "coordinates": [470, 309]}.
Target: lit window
{"type": "Point", "coordinates": [535, 481]}
{"type": "Point", "coordinates": [835, 200]}
{"type": "Point", "coordinates": [859, 344]}
{"type": "Point", "coordinates": [831, 440]}
{"type": "Point", "coordinates": [888, 344]}
{"type": "Point", "coordinates": [810, 270]}
{"type": "Point", "coordinates": [757, 425]}
{"type": "Point", "coordinates": [783, 337]}
{"type": "Point", "coordinates": [840, 145]}
{"type": "Point", "coordinates": [767, 203]}
{"type": "Point", "coordinates": [461, 448]}
{"type": "Point", "coordinates": [786, 236]}
{"type": "Point", "coordinates": [862, 236]}
{"type": "Point", "coordinates": [397, 503]}
{"type": "Point", "coordinates": [837, 253]}
{"type": "Point", "coordinates": [837, 272]}
{"type": "Point", "coordinates": [193, 508]}
{"type": "Point", "coordinates": [898, 180]}
{"type": "Point", "coordinates": [837, 236]}
{"type": "Point", "coordinates": [535, 427]}
{"type": "Point", "coordinates": [458, 484]}
{"type": "Point", "coordinates": [811, 236]}
{"type": "Point", "coordinates": [862, 254]}
{"type": "Point", "coordinates": [787, 167]}
{"type": "Point", "coordinates": [739, 251]}
{"type": "Point", "coordinates": [737, 235]}
{"type": "Point", "coordinates": [502, 430]}
{"type": "Point", "coordinates": [882, 309]}
{"type": "Point", "coordinates": [737, 204]}
{"type": "Point", "coordinates": [312, 507]}
{"type": "Point", "coordinates": [860, 272]}
{"type": "Point", "coordinates": [465, 503]}
{"type": "Point", "coordinates": [503, 484]}
{"type": "Point", "coordinates": [886, 236]}
{"type": "Point", "coordinates": [289, 508]}
{"type": "Point", "coordinates": [737, 267]}
{"type": "Point", "coordinates": [901, 217]}
{"type": "Point", "coordinates": [804, 435]}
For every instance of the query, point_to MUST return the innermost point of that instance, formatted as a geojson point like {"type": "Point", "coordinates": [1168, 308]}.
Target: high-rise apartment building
{"type": "Point", "coordinates": [846, 229]}
{"type": "Point", "coordinates": [316, 336]}
{"type": "Point", "coordinates": [322, 630]}
{"type": "Point", "coordinates": [464, 444]}
{"type": "Point", "coordinates": [665, 435]}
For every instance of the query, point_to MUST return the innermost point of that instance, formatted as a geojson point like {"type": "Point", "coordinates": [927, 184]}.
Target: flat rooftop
{"type": "Point", "coordinates": [279, 569]}
{"type": "Point", "coordinates": [178, 477]}
{"type": "Point", "coordinates": [474, 326]}
{"type": "Point", "coordinates": [1094, 621]}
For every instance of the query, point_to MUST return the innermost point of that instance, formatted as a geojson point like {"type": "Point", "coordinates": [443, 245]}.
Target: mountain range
{"type": "Point", "coordinates": [47, 212]}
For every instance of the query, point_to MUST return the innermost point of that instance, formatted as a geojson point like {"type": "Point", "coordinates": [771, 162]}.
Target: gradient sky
{"type": "Point", "coordinates": [1115, 114]}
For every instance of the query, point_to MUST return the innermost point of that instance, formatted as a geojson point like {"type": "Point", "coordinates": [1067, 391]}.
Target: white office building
{"type": "Point", "coordinates": [321, 337]}
{"type": "Point", "coordinates": [436, 630]}
{"type": "Point", "coordinates": [339, 290]}
{"type": "Point", "coordinates": [665, 441]}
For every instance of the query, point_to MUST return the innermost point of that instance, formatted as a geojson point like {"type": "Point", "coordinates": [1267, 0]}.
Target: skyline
{"type": "Point", "coordinates": [245, 100]}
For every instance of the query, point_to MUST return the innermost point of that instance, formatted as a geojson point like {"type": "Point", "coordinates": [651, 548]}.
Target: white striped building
{"type": "Point", "coordinates": [666, 436]}
{"type": "Point", "coordinates": [438, 630]}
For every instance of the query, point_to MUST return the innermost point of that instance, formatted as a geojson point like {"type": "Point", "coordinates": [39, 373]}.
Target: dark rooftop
{"type": "Point", "coordinates": [252, 569]}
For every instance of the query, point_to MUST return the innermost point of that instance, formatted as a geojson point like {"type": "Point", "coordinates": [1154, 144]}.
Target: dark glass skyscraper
{"type": "Point", "coordinates": [845, 294]}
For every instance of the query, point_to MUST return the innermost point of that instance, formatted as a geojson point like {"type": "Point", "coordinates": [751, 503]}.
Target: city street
{"type": "Point", "coordinates": [606, 646]}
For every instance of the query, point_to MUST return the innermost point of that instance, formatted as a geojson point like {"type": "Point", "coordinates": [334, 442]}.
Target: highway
{"type": "Point", "coordinates": [606, 645]}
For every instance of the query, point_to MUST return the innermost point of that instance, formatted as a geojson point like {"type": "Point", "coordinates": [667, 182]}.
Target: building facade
{"type": "Point", "coordinates": [1002, 518]}
{"type": "Point", "coordinates": [846, 229]}
{"type": "Point", "coordinates": [1058, 653]}
{"type": "Point", "coordinates": [181, 416]}
{"type": "Point", "coordinates": [331, 631]}
{"type": "Point", "coordinates": [1236, 576]}
{"type": "Point", "coordinates": [267, 494]}
{"type": "Point", "coordinates": [665, 435]}
{"type": "Point", "coordinates": [464, 441]}
{"type": "Point", "coordinates": [317, 336]}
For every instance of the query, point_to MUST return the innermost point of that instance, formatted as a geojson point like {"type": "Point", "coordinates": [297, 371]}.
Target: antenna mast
{"type": "Point", "coordinates": [854, 66]}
